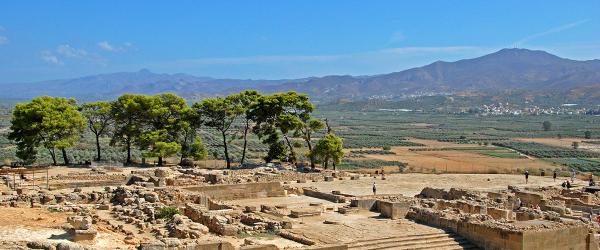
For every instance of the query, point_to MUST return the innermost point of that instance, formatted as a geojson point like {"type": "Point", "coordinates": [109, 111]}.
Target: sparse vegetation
{"type": "Point", "coordinates": [167, 212]}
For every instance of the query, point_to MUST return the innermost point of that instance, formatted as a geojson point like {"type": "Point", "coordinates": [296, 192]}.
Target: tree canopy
{"type": "Point", "coordinates": [164, 125]}
{"type": "Point", "coordinates": [329, 148]}
{"type": "Point", "coordinates": [52, 122]}
{"type": "Point", "coordinates": [99, 119]}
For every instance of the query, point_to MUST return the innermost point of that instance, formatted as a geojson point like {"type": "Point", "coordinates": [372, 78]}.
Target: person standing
{"type": "Point", "coordinates": [374, 189]}
{"type": "Point", "coordinates": [554, 175]}
{"type": "Point", "coordinates": [526, 176]}
{"type": "Point", "coordinates": [518, 203]}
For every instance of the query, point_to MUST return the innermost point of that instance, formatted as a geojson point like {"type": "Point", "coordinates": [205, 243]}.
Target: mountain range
{"type": "Point", "coordinates": [506, 69]}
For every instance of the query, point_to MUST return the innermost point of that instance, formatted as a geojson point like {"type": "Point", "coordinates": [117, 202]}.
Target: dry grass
{"type": "Point", "coordinates": [564, 142]}
{"type": "Point", "coordinates": [455, 161]}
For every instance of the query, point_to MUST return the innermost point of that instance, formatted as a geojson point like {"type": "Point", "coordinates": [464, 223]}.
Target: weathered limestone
{"type": "Point", "coordinates": [499, 214]}
{"type": "Point", "coordinates": [539, 235]}
{"type": "Point", "coordinates": [305, 212]}
{"type": "Point", "coordinates": [325, 196]}
{"type": "Point", "coordinates": [80, 222]}
{"type": "Point", "coordinates": [394, 210]}
{"type": "Point", "coordinates": [82, 228]}
{"type": "Point", "coordinates": [241, 191]}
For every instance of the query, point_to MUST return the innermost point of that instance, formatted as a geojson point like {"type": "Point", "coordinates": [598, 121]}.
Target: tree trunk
{"type": "Point", "coordinates": [185, 147]}
{"type": "Point", "coordinates": [160, 161]}
{"type": "Point", "coordinates": [326, 162]}
{"type": "Point", "coordinates": [65, 158]}
{"type": "Point", "coordinates": [128, 152]}
{"type": "Point", "coordinates": [309, 144]}
{"type": "Point", "coordinates": [98, 147]}
{"type": "Point", "coordinates": [245, 142]}
{"type": "Point", "coordinates": [292, 154]}
{"type": "Point", "coordinates": [53, 155]}
{"type": "Point", "coordinates": [226, 152]}
{"type": "Point", "coordinates": [333, 164]}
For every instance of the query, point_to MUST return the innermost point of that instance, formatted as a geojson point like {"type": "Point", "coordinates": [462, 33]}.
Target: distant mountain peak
{"type": "Point", "coordinates": [509, 68]}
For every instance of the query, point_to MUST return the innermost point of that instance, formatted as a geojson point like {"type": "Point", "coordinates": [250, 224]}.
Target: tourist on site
{"type": "Point", "coordinates": [526, 176]}
{"type": "Point", "coordinates": [374, 189]}
{"type": "Point", "coordinates": [564, 184]}
{"type": "Point", "coordinates": [518, 203]}
{"type": "Point", "coordinates": [568, 185]}
{"type": "Point", "coordinates": [554, 176]}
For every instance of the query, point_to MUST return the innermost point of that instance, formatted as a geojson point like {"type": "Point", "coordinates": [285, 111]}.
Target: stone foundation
{"type": "Point", "coordinates": [240, 191]}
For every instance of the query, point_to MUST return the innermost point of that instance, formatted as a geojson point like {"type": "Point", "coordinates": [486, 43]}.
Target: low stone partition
{"type": "Point", "coordinates": [324, 196]}
{"type": "Point", "coordinates": [530, 198]}
{"type": "Point", "coordinates": [241, 191]}
{"type": "Point", "coordinates": [80, 184]}
{"type": "Point", "coordinates": [452, 194]}
{"type": "Point", "coordinates": [394, 210]}
{"type": "Point", "coordinates": [217, 221]}
{"type": "Point", "coordinates": [498, 213]}
{"type": "Point", "coordinates": [197, 246]}
{"type": "Point", "coordinates": [493, 235]}
{"type": "Point", "coordinates": [365, 203]}
{"type": "Point", "coordinates": [390, 206]}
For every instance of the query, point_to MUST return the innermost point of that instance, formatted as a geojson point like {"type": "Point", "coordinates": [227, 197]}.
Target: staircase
{"type": "Point", "coordinates": [445, 241]}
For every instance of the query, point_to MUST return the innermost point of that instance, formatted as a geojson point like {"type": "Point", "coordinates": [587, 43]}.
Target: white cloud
{"type": "Point", "coordinates": [3, 40]}
{"type": "Point", "coordinates": [68, 51]}
{"type": "Point", "coordinates": [62, 52]}
{"type": "Point", "coordinates": [106, 46]}
{"type": "Point", "coordinates": [50, 58]}
{"type": "Point", "coordinates": [550, 31]}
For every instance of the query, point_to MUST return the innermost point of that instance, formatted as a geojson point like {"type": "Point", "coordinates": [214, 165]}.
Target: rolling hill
{"type": "Point", "coordinates": [520, 69]}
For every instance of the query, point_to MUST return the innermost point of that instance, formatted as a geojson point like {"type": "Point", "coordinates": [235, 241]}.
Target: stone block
{"type": "Point", "coordinates": [305, 212]}
{"type": "Point", "coordinates": [81, 235]}
{"type": "Point", "coordinates": [80, 222]}
{"type": "Point", "coordinates": [498, 213]}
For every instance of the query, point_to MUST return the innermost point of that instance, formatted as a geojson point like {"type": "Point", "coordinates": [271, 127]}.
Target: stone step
{"type": "Point", "coordinates": [403, 239]}
{"type": "Point", "coordinates": [417, 244]}
{"type": "Point", "coordinates": [448, 246]}
{"type": "Point", "coordinates": [396, 238]}
{"type": "Point", "coordinates": [422, 241]}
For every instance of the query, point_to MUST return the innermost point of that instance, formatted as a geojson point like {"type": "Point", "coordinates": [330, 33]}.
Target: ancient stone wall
{"type": "Point", "coordinates": [394, 210]}
{"type": "Point", "coordinates": [325, 196]}
{"type": "Point", "coordinates": [488, 236]}
{"type": "Point", "coordinates": [564, 238]}
{"type": "Point", "coordinates": [240, 191]}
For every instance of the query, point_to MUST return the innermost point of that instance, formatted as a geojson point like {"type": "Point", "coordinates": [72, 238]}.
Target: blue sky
{"type": "Point", "coordinates": [42, 40]}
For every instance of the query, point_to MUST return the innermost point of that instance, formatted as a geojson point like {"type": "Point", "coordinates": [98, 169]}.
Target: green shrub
{"type": "Point", "coordinates": [167, 212]}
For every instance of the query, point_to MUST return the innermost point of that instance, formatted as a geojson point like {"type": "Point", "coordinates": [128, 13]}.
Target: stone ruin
{"type": "Point", "coordinates": [550, 218]}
